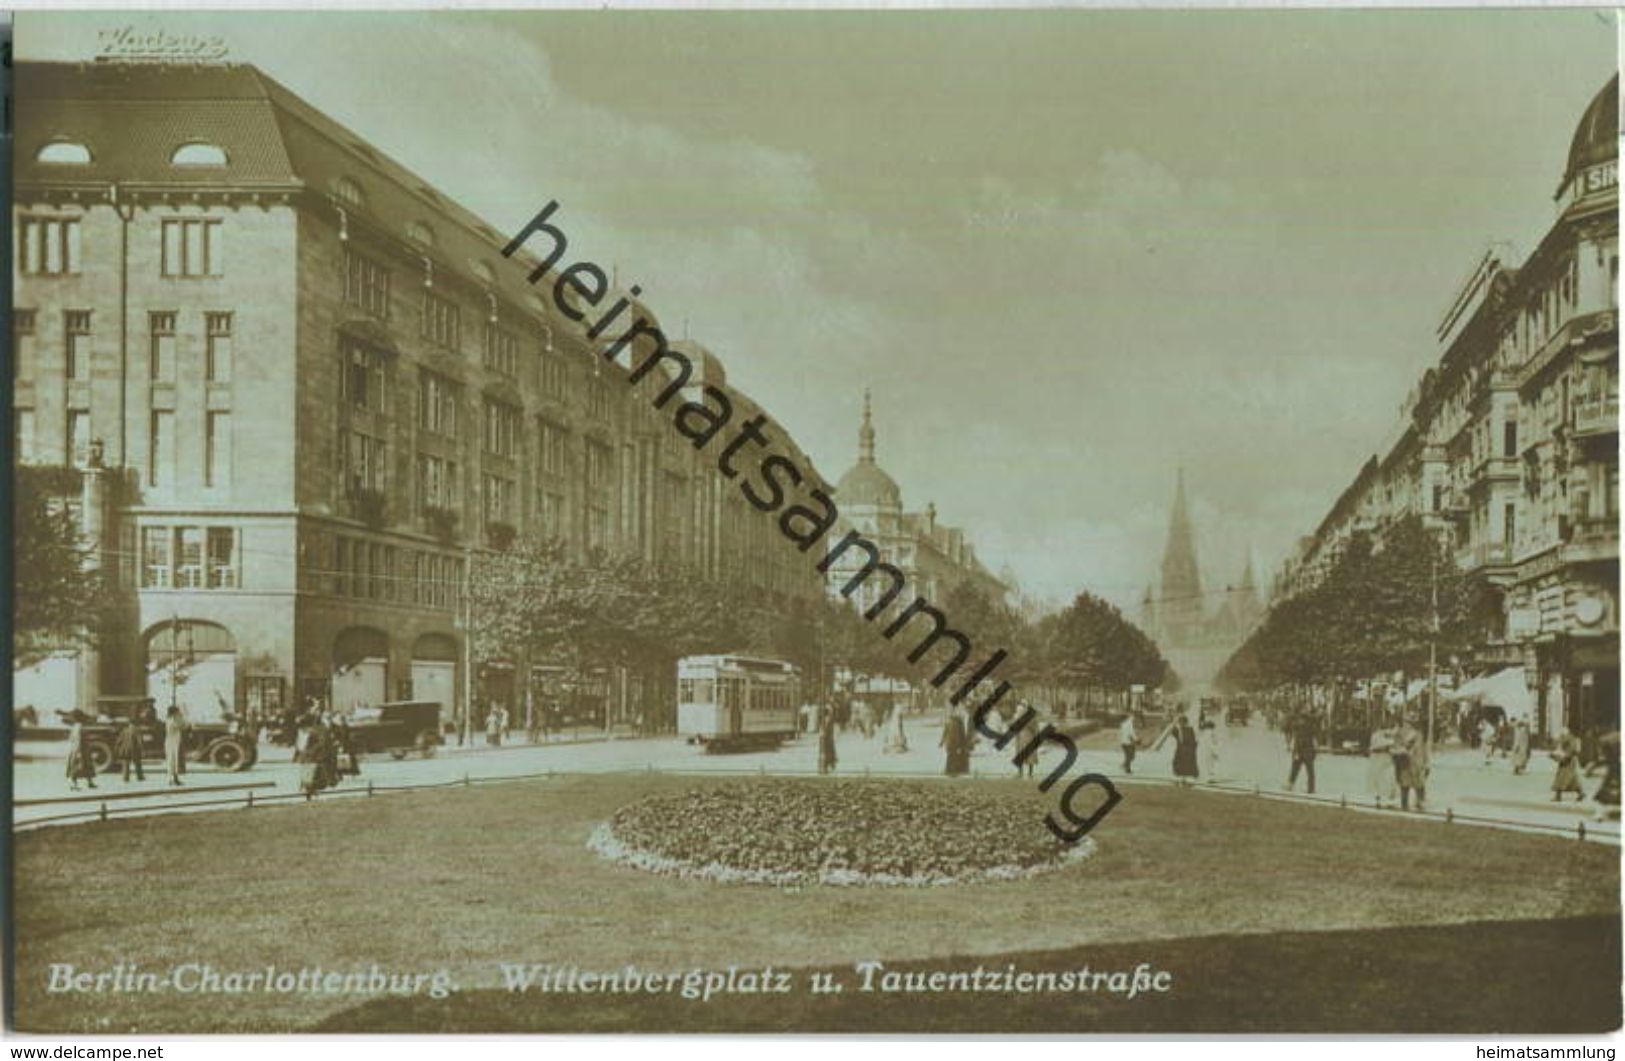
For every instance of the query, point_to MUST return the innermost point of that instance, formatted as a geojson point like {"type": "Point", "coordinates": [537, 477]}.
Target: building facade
{"type": "Point", "coordinates": [306, 388]}
{"type": "Point", "coordinates": [1509, 445]}
{"type": "Point", "coordinates": [934, 557]}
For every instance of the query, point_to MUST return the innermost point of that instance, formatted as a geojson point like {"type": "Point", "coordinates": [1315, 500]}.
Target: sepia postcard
{"type": "Point", "coordinates": [1020, 522]}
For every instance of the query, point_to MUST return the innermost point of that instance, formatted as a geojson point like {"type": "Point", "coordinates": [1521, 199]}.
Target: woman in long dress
{"type": "Point", "coordinates": [80, 768]}
{"type": "Point", "coordinates": [1520, 746]}
{"type": "Point", "coordinates": [1210, 731]}
{"type": "Point", "coordinates": [1567, 778]}
{"type": "Point", "coordinates": [174, 732]}
{"type": "Point", "coordinates": [1184, 748]}
{"type": "Point", "coordinates": [1379, 768]}
{"type": "Point", "coordinates": [896, 739]}
{"type": "Point", "coordinates": [956, 739]}
{"type": "Point", "coordinates": [826, 741]}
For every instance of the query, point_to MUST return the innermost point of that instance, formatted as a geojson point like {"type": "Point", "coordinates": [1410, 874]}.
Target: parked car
{"type": "Point", "coordinates": [219, 744]}
{"type": "Point", "coordinates": [1237, 713]}
{"type": "Point", "coordinates": [398, 727]}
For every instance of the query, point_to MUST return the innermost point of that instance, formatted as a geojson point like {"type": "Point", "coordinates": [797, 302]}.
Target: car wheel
{"type": "Point", "coordinates": [100, 755]}
{"type": "Point", "coordinates": [228, 755]}
{"type": "Point", "coordinates": [397, 753]}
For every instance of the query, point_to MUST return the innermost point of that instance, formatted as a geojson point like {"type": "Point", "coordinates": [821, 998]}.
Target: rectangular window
{"type": "Point", "coordinates": [437, 404]}
{"type": "Point", "coordinates": [217, 449]}
{"type": "Point", "coordinates": [501, 429]}
{"type": "Point", "coordinates": [442, 321]}
{"type": "Point", "coordinates": [1509, 439]}
{"type": "Point", "coordinates": [188, 557]}
{"type": "Point", "coordinates": [222, 558]}
{"type": "Point", "coordinates": [79, 437]}
{"type": "Point", "coordinates": [550, 513]}
{"type": "Point", "coordinates": [161, 448]}
{"type": "Point", "coordinates": [498, 495]}
{"type": "Point", "coordinates": [22, 343]}
{"type": "Point", "coordinates": [48, 246]}
{"type": "Point", "coordinates": [364, 464]}
{"type": "Point", "coordinates": [76, 329]}
{"type": "Point", "coordinates": [217, 359]}
{"type": "Point", "coordinates": [161, 361]}
{"type": "Point", "coordinates": [598, 399]}
{"type": "Point", "coordinates": [552, 444]}
{"type": "Point", "coordinates": [1511, 519]}
{"type": "Point", "coordinates": [555, 377]}
{"type": "Point", "coordinates": [155, 553]}
{"type": "Point", "coordinates": [366, 284]}
{"type": "Point", "coordinates": [23, 441]}
{"type": "Point", "coordinates": [362, 382]}
{"type": "Point", "coordinates": [501, 351]}
{"type": "Point", "coordinates": [437, 483]}
{"type": "Point", "coordinates": [191, 247]}
{"type": "Point", "coordinates": [598, 462]}
{"type": "Point", "coordinates": [375, 570]}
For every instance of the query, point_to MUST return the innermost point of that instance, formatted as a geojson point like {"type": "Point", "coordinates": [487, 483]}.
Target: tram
{"type": "Point", "coordinates": [736, 703]}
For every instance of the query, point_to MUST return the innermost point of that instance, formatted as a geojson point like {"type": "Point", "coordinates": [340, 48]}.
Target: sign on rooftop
{"type": "Point", "coordinates": [126, 44]}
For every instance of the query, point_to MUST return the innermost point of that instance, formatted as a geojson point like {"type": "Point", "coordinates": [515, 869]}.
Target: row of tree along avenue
{"type": "Point", "coordinates": [1392, 602]}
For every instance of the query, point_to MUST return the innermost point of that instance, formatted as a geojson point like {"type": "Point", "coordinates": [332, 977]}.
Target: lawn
{"type": "Point", "coordinates": [464, 879]}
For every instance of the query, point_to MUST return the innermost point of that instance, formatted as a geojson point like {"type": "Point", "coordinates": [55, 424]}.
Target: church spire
{"type": "Point", "coordinates": [866, 434]}
{"type": "Point", "coordinates": [1182, 610]}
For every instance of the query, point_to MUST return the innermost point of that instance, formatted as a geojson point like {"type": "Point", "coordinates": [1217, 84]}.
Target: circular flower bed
{"type": "Point", "coordinates": [785, 832]}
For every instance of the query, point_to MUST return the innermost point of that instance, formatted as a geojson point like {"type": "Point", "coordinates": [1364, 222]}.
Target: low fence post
{"type": "Point", "coordinates": [250, 799]}
{"type": "Point", "coordinates": [103, 812]}
{"type": "Point", "coordinates": [465, 778]}
{"type": "Point", "coordinates": [1449, 815]}
{"type": "Point", "coordinates": [369, 788]}
{"type": "Point", "coordinates": [1581, 827]}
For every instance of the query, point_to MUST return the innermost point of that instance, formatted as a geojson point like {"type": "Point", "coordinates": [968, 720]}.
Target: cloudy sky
{"type": "Point", "coordinates": [1070, 252]}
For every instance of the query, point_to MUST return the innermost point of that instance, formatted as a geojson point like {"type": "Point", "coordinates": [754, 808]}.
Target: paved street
{"type": "Point", "coordinates": [1251, 756]}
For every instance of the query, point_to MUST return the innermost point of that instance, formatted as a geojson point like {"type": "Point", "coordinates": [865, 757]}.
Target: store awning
{"type": "Point", "coordinates": [1505, 689]}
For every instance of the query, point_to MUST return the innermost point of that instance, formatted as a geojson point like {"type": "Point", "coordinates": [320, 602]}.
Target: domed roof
{"type": "Point", "coordinates": [866, 483]}
{"type": "Point", "coordinates": [1596, 138]}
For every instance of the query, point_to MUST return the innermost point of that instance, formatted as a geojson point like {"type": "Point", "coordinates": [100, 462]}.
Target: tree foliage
{"type": "Point", "coordinates": [59, 600]}
{"type": "Point", "coordinates": [1372, 614]}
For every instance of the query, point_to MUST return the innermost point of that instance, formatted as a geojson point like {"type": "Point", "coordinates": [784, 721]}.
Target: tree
{"type": "Point", "coordinates": [60, 601]}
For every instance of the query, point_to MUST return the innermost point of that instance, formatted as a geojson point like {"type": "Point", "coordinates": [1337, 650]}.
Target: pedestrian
{"type": "Point", "coordinates": [1303, 738]}
{"type": "Point", "coordinates": [826, 741]}
{"type": "Point", "coordinates": [956, 739]}
{"type": "Point", "coordinates": [493, 725]}
{"type": "Point", "coordinates": [1411, 765]}
{"type": "Point", "coordinates": [1379, 767]}
{"type": "Point", "coordinates": [1608, 792]}
{"type": "Point", "coordinates": [1567, 757]}
{"type": "Point", "coordinates": [128, 750]}
{"type": "Point", "coordinates": [896, 738]}
{"type": "Point", "coordinates": [174, 737]}
{"type": "Point", "coordinates": [1184, 736]}
{"type": "Point", "coordinates": [1486, 737]}
{"type": "Point", "coordinates": [1520, 746]}
{"type": "Point", "coordinates": [80, 768]}
{"type": "Point", "coordinates": [316, 765]}
{"type": "Point", "coordinates": [1128, 738]}
{"type": "Point", "coordinates": [1209, 734]}
{"type": "Point", "coordinates": [344, 745]}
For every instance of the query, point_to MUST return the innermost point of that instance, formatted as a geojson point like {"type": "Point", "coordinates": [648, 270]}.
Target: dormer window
{"type": "Point", "coordinates": [64, 153]}
{"type": "Point", "coordinates": [420, 234]}
{"type": "Point", "coordinates": [198, 154]}
{"type": "Point", "coordinates": [348, 192]}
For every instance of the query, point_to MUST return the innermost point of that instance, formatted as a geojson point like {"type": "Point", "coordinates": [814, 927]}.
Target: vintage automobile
{"type": "Point", "coordinates": [1237, 713]}
{"type": "Point", "coordinates": [217, 743]}
{"type": "Point", "coordinates": [398, 727]}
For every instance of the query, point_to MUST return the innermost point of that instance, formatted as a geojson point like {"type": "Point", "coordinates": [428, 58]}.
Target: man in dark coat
{"type": "Point", "coordinates": [1303, 736]}
{"type": "Point", "coordinates": [956, 739]}
{"type": "Point", "coordinates": [127, 749]}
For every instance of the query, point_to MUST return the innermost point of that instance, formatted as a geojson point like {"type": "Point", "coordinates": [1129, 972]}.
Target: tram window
{"type": "Point", "coordinates": [685, 691]}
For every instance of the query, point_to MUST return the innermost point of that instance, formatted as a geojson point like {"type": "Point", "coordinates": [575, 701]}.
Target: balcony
{"type": "Point", "coordinates": [1592, 539]}
{"type": "Point", "coordinates": [1595, 416]}
{"type": "Point", "coordinates": [1485, 554]}
{"type": "Point", "coordinates": [1495, 469]}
